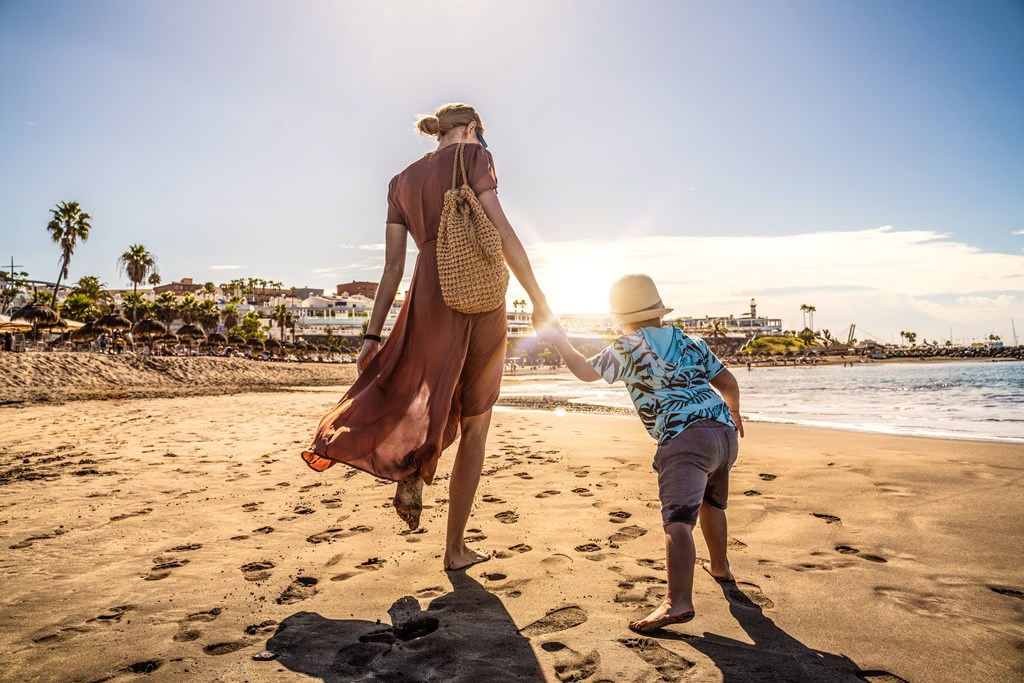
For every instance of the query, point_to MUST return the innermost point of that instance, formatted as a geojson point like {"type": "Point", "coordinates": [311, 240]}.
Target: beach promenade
{"type": "Point", "coordinates": [182, 536]}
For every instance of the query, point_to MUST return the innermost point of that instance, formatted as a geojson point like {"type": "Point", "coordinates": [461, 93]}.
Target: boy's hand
{"type": "Point", "coordinates": [738, 421]}
{"type": "Point", "coordinates": [550, 333]}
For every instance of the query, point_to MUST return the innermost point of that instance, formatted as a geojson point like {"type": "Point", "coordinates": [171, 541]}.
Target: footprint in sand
{"type": "Point", "coordinates": [225, 648]}
{"type": "Point", "coordinates": [560, 619]}
{"type": "Point", "coordinates": [303, 510]}
{"type": "Point", "coordinates": [162, 567]}
{"type": "Point", "coordinates": [251, 507]}
{"type": "Point", "coordinates": [767, 477]}
{"type": "Point", "coordinates": [571, 665]}
{"type": "Point", "coordinates": [547, 494]}
{"type": "Point", "coordinates": [520, 548]}
{"type": "Point", "coordinates": [588, 548]}
{"type": "Point", "coordinates": [656, 565]}
{"type": "Point", "coordinates": [524, 475]}
{"type": "Point", "coordinates": [627, 533]}
{"type": "Point", "coordinates": [257, 571]}
{"type": "Point", "coordinates": [184, 548]}
{"type": "Point", "coordinates": [431, 592]}
{"type": "Point", "coordinates": [301, 588]}
{"type": "Point", "coordinates": [268, 626]}
{"type": "Point", "coordinates": [332, 502]}
{"type": "Point", "coordinates": [146, 667]}
{"type": "Point", "coordinates": [1008, 592]}
{"type": "Point", "coordinates": [737, 544]}
{"type": "Point", "coordinates": [264, 530]}
{"type": "Point", "coordinates": [186, 629]}
{"type": "Point", "coordinates": [584, 492]}
{"type": "Point", "coordinates": [743, 594]}
{"type": "Point", "coordinates": [32, 539]}
{"type": "Point", "coordinates": [618, 517]}
{"type": "Point", "coordinates": [492, 499]}
{"type": "Point", "coordinates": [507, 517]}
{"type": "Point", "coordinates": [373, 564]}
{"type": "Point", "coordinates": [494, 576]}
{"type": "Point", "coordinates": [338, 534]}
{"type": "Point", "coordinates": [829, 519]}
{"type": "Point", "coordinates": [665, 662]}
{"type": "Point", "coordinates": [143, 511]}
{"type": "Point", "coordinates": [751, 492]}
{"type": "Point", "coordinates": [850, 550]}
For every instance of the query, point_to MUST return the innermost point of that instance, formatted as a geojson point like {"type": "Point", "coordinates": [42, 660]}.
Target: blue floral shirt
{"type": "Point", "coordinates": [668, 376]}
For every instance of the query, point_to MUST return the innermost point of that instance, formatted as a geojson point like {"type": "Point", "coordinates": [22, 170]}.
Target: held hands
{"type": "Point", "coordinates": [367, 354]}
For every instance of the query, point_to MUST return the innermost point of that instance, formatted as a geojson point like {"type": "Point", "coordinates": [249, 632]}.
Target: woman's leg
{"type": "Point", "coordinates": [469, 461]}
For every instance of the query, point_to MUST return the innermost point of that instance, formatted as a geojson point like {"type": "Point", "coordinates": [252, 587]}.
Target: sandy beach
{"type": "Point", "coordinates": [181, 537]}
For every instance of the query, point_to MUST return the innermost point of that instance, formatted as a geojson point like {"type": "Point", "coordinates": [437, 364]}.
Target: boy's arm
{"type": "Point", "coordinates": [574, 360]}
{"type": "Point", "coordinates": [725, 383]}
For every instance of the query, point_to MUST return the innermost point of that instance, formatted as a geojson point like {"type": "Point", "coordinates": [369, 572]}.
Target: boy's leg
{"type": "Point", "coordinates": [677, 607]}
{"type": "Point", "coordinates": [715, 527]}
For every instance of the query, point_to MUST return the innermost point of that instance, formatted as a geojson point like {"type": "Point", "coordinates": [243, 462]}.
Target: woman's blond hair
{"type": "Point", "coordinates": [447, 117]}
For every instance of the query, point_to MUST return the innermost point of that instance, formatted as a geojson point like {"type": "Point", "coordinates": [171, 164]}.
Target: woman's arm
{"type": "Point", "coordinates": [394, 267]}
{"type": "Point", "coordinates": [515, 256]}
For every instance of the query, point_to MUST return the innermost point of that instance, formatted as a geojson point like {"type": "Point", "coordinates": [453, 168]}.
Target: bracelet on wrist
{"type": "Point", "coordinates": [372, 337]}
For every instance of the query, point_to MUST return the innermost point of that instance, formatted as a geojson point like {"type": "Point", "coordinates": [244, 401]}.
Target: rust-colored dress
{"type": "Point", "coordinates": [436, 366]}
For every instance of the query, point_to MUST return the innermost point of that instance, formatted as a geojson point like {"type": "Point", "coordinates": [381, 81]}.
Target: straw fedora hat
{"type": "Point", "coordinates": [634, 298]}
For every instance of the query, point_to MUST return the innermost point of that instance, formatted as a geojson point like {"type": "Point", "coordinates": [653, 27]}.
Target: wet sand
{"type": "Point", "coordinates": [184, 536]}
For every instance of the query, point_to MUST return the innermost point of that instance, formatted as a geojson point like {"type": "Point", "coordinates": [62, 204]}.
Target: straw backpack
{"type": "Point", "coordinates": [470, 264]}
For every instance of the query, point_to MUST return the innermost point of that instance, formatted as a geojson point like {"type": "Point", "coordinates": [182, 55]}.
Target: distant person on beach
{"type": "Point", "coordinates": [440, 371]}
{"type": "Point", "coordinates": [672, 380]}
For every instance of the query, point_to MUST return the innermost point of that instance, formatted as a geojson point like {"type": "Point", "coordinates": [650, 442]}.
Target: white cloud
{"type": "Point", "coordinates": [372, 247]}
{"type": "Point", "coordinates": [1017, 232]}
{"type": "Point", "coordinates": [881, 279]}
{"type": "Point", "coordinates": [226, 267]}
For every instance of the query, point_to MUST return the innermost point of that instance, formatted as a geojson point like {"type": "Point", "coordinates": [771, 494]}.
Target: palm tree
{"type": "Point", "coordinates": [138, 264]}
{"type": "Point", "coordinates": [208, 315]}
{"type": "Point", "coordinates": [68, 225]}
{"type": "Point", "coordinates": [230, 315]}
{"type": "Point", "coordinates": [282, 316]}
{"type": "Point", "coordinates": [807, 309]}
{"type": "Point", "coordinates": [209, 289]}
{"type": "Point", "coordinates": [166, 307]}
{"type": "Point", "coordinates": [154, 279]}
{"type": "Point", "coordinates": [90, 286]}
{"type": "Point", "coordinates": [188, 308]}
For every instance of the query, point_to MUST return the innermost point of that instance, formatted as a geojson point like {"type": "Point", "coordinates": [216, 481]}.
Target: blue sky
{"type": "Point", "coordinates": [257, 139]}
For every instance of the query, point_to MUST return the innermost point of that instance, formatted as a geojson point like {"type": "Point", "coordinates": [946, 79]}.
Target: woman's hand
{"type": "Point", "coordinates": [366, 354]}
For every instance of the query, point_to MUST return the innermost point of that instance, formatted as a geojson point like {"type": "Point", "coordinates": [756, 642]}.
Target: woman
{"type": "Point", "coordinates": [440, 371]}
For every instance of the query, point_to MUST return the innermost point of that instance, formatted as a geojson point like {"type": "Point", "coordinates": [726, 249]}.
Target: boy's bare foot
{"type": "Point", "coordinates": [724, 577]}
{"type": "Point", "coordinates": [662, 617]}
{"type": "Point", "coordinates": [460, 559]}
{"type": "Point", "coordinates": [408, 500]}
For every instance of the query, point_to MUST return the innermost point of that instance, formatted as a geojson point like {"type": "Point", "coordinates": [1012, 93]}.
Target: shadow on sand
{"type": "Point", "coordinates": [466, 635]}
{"type": "Point", "coordinates": [775, 655]}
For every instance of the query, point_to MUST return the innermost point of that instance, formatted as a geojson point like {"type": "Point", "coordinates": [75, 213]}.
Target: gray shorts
{"type": "Point", "coordinates": [693, 468]}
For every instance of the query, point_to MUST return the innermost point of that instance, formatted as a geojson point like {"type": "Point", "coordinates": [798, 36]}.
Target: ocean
{"type": "Point", "coordinates": [959, 400]}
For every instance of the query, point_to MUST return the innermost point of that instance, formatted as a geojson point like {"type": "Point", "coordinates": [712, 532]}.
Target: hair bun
{"type": "Point", "coordinates": [429, 125]}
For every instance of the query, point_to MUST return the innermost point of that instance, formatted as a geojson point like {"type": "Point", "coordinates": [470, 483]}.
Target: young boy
{"type": "Point", "coordinates": [670, 377]}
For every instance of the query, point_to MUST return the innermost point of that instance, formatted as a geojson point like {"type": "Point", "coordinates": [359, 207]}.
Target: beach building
{"type": "Point", "coordinates": [367, 289]}
{"type": "Point", "coordinates": [178, 287]}
{"type": "Point", "coordinates": [749, 324]}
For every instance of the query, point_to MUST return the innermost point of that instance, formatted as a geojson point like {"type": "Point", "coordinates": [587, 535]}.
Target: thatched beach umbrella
{"type": "Point", "coordinates": [35, 314]}
{"type": "Point", "coordinates": [86, 333]}
{"type": "Point", "coordinates": [255, 343]}
{"type": "Point", "coordinates": [191, 331]}
{"type": "Point", "coordinates": [217, 338]}
{"type": "Point", "coordinates": [236, 339]}
{"type": "Point", "coordinates": [149, 329]}
{"type": "Point", "coordinates": [273, 345]}
{"type": "Point", "coordinates": [113, 322]}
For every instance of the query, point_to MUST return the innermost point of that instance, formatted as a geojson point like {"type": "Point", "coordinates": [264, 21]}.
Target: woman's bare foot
{"type": "Point", "coordinates": [460, 559]}
{"type": "Point", "coordinates": [408, 500]}
{"type": "Point", "coordinates": [662, 617]}
{"type": "Point", "coordinates": [724, 577]}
